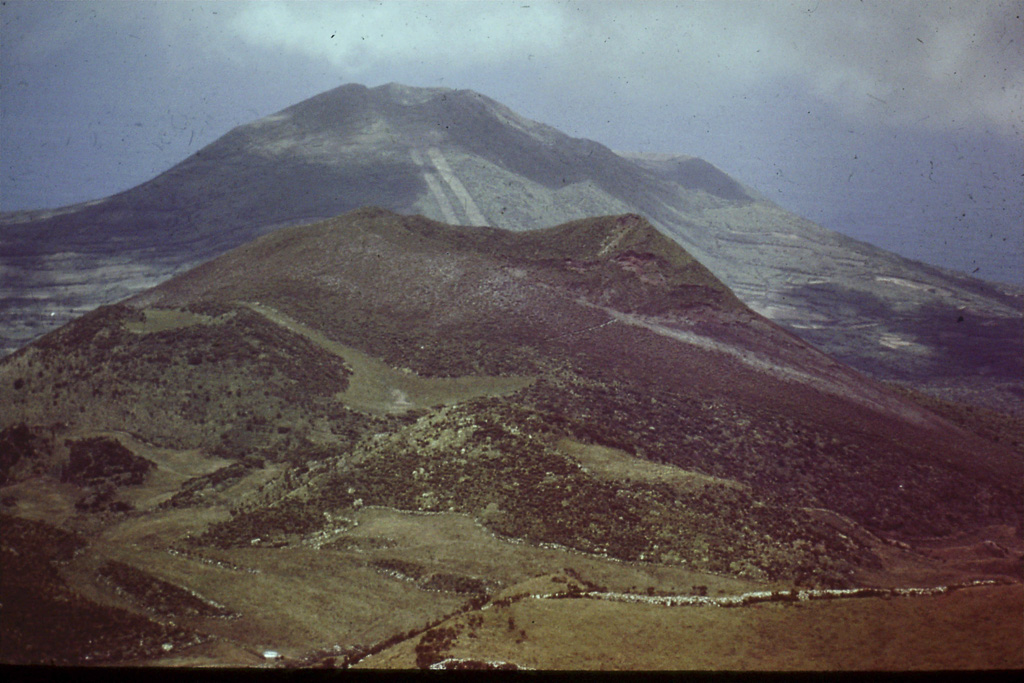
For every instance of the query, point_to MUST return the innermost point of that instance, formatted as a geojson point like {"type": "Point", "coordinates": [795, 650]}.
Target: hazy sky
{"type": "Point", "coordinates": [896, 122]}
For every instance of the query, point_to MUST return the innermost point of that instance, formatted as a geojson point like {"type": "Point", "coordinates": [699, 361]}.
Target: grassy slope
{"type": "Point", "coordinates": [263, 386]}
{"type": "Point", "coordinates": [965, 629]}
{"type": "Point", "coordinates": [450, 302]}
{"type": "Point", "coordinates": [46, 621]}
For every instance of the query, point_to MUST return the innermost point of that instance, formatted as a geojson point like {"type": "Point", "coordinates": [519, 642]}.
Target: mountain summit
{"type": "Point", "coordinates": [460, 157]}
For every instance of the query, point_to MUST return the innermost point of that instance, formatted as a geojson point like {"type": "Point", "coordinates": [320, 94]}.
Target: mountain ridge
{"type": "Point", "coordinates": [330, 436]}
{"type": "Point", "coordinates": [460, 157]}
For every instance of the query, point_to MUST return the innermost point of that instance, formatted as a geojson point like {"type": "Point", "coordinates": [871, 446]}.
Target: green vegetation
{"type": "Point", "coordinates": [967, 629]}
{"type": "Point", "coordinates": [192, 491]}
{"type": "Point", "coordinates": [255, 416]}
{"type": "Point", "coordinates": [47, 622]}
{"type": "Point", "coordinates": [156, 595]}
{"type": "Point", "coordinates": [21, 444]}
{"type": "Point", "coordinates": [801, 462]}
{"type": "Point", "coordinates": [160, 320]}
{"type": "Point", "coordinates": [989, 424]}
{"type": "Point", "coordinates": [499, 463]}
{"type": "Point", "coordinates": [434, 581]}
{"type": "Point", "coordinates": [103, 460]}
{"type": "Point", "coordinates": [433, 645]}
{"type": "Point", "coordinates": [187, 387]}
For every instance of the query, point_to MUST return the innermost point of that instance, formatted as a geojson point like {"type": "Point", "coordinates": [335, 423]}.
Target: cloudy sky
{"type": "Point", "coordinates": [901, 123]}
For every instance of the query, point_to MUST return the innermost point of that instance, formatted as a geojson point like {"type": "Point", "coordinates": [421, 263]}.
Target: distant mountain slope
{"type": "Point", "coordinates": [340, 432]}
{"type": "Point", "coordinates": [457, 156]}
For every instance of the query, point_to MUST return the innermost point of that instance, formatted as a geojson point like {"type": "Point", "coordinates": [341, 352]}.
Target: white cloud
{"type": "Point", "coordinates": [364, 36]}
{"type": "Point", "coordinates": [945, 64]}
{"type": "Point", "coordinates": [949, 64]}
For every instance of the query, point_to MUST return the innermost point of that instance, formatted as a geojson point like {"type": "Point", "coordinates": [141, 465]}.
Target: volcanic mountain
{"type": "Point", "coordinates": [459, 157]}
{"type": "Point", "coordinates": [388, 440]}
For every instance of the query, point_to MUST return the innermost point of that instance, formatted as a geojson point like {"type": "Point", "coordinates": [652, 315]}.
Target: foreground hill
{"type": "Point", "coordinates": [333, 439]}
{"type": "Point", "coordinates": [459, 157]}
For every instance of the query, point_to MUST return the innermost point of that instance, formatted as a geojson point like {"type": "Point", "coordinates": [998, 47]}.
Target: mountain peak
{"type": "Point", "coordinates": [460, 157]}
{"type": "Point", "coordinates": [394, 92]}
{"type": "Point", "coordinates": [409, 95]}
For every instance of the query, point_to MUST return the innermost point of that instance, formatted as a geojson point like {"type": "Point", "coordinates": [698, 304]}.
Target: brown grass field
{"type": "Point", "coordinates": [977, 628]}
